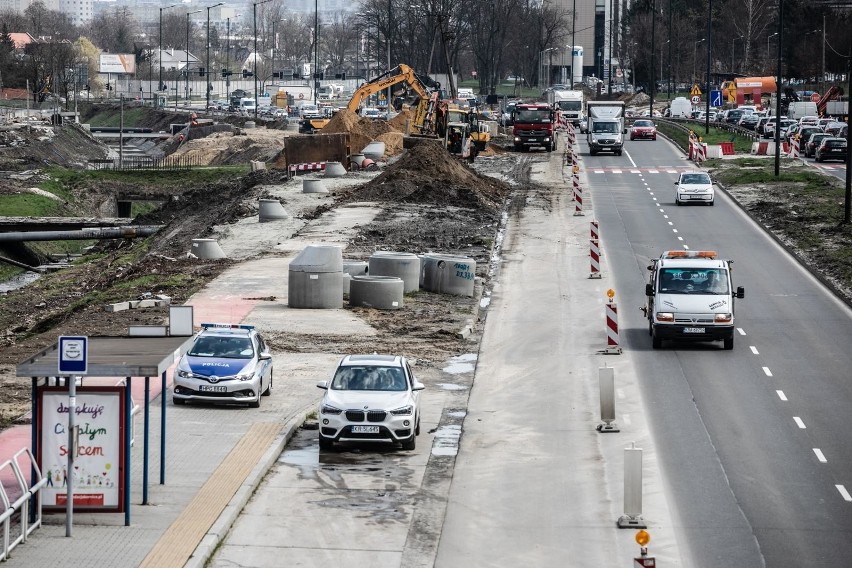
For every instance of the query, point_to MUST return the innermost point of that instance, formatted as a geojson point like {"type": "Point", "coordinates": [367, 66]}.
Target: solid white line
{"type": "Point", "coordinates": [781, 395]}
{"type": "Point", "coordinates": [844, 493]}
{"type": "Point", "coordinates": [741, 331]}
{"type": "Point", "coordinates": [753, 349]}
{"type": "Point", "coordinates": [799, 422]}
{"type": "Point", "coordinates": [629, 157]}
{"type": "Point", "coordinates": [767, 371]}
{"type": "Point", "coordinates": [820, 455]}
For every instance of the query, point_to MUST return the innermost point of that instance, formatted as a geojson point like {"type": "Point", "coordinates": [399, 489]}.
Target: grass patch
{"type": "Point", "coordinates": [61, 180]}
{"type": "Point", "coordinates": [715, 136]}
{"type": "Point", "coordinates": [29, 205]}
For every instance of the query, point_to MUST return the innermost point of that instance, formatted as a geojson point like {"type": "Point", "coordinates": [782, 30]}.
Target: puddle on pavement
{"type": "Point", "coordinates": [461, 364]}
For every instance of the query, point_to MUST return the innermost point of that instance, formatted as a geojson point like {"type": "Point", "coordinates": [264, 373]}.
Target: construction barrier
{"type": "Point", "coordinates": [306, 167]}
{"type": "Point", "coordinates": [760, 148]}
{"type": "Point", "coordinates": [612, 346]}
{"type": "Point", "coordinates": [794, 148]}
{"type": "Point", "coordinates": [595, 257]}
{"type": "Point", "coordinates": [578, 191]}
{"type": "Point", "coordinates": [594, 230]}
{"type": "Point", "coordinates": [727, 148]}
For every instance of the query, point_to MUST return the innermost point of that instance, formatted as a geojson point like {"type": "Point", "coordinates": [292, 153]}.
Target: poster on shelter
{"type": "Point", "coordinates": [124, 63]}
{"type": "Point", "coordinates": [98, 457]}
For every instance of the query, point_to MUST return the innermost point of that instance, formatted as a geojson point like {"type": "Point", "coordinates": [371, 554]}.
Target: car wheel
{"type": "Point", "coordinates": [325, 443]}
{"type": "Point", "coordinates": [618, 153]}
{"type": "Point", "coordinates": [417, 427]}
{"type": "Point", "coordinates": [255, 403]}
{"type": "Point", "coordinates": [711, 203]}
{"type": "Point", "coordinates": [632, 139]}
{"type": "Point", "coordinates": [654, 138]}
{"type": "Point", "coordinates": [268, 390]}
{"type": "Point", "coordinates": [410, 443]}
{"type": "Point", "coordinates": [656, 342]}
{"type": "Point", "coordinates": [729, 342]}
{"type": "Point", "coordinates": [677, 202]}
{"type": "Point", "coordinates": [178, 401]}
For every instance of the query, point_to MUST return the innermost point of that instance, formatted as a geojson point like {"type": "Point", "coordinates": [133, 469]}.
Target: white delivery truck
{"type": "Point", "coordinates": [681, 107]}
{"type": "Point", "coordinates": [605, 130]}
{"type": "Point", "coordinates": [798, 109]}
{"type": "Point", "coordinates": [690, 297]}
{"type": "Point", "coordinates": [569, 104]}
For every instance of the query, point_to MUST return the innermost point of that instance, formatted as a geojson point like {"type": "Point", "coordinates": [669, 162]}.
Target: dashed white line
{"type": "Point", "coordinates": [662, 210]}
{"type": "Point", "coordinates": [674, 230]}
{"type": "Point", "coordinates": [599, 171]}
{"type": "Point", "coordinates": [820, 455]}
{"type": "Point", "coordinates": [767, 371]}
{"type": "Point", "coordinates": [753, 349]}
{"type": "Point", "coordinates": [781, 395]}
{"type": "Point", "coordinates": [741, 331]}
{"type": "Point", "coordinates": [799, 422]}
{"type": "Point", "coordinates": [680, 238]}
{"type": "Point", "coordinates": [635, 172]}
{"type": "Point", "coordinates": [844, 493]}
{"type": "Point", "coordinates": [653, 171]}
{"type": "Point", "coordinates": [616, 171]}
{"type": "Point", "coordinates": [671, 223]}
{"type": "Point", "coordinates": [665, 216]}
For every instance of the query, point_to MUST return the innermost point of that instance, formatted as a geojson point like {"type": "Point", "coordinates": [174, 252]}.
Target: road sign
{"type": "Point", "coordinates": [696, 99]}
{"type": "Point", "coordinates": [815, 97]}
{"type": "Point", "coordinates": [716, 98]}
{"type": "Point", "coordinates": [73, 355]}
{"type": "Point", "coordinates": [695, 92]}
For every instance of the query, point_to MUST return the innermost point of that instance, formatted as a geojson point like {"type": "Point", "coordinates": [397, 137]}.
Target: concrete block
{"type": "Point", "coordinates": [119, 307]}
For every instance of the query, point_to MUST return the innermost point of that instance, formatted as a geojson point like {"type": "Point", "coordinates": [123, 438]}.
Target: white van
{"type": "Point", "coordinates": [798, 109]}
{"type": "Point", "coordinates": [681, 107]}
{"type": "Point", "coordinates": [247, 106]}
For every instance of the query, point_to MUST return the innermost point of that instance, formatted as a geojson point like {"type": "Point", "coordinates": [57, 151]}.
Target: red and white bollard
{"type": "Point", "coordinates": [612, 346]}
{"type": "Point", "coordinates": [594, 232]}
{"type": "Point", "coordinates": [595, 257]}
{"type": "Point", "coordinates": [578, 191]}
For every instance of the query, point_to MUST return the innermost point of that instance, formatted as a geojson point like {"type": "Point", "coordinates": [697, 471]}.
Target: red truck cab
{"type": "Point", "coordinates": [534, 126]}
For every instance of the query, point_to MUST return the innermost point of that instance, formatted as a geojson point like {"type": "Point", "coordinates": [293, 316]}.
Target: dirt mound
{"type": "Point", "coordinates": [399, 121]}
{"type": "Point", "coordinates": [24, 146]}
{"type": "Point", "coordinates": [429, 174]}
{"type": "Point", "coordinates": [361, 130]}
{"type": "Point", "coordinates": [393, 142]}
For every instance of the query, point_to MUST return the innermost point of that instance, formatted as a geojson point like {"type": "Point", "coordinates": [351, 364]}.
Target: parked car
{"type": "Point", "coordinates": [370, 398]}
{"type": "Point", "coordinates": [643, 129]}
{"type": "Point", "coordinates": [831, 149]}
{"type": "Point", "coordinates": [809, 148]}
{"type": "Point", "coordinates": [694, 187]}
{"type": "Point", "coordinates": [226, 363]}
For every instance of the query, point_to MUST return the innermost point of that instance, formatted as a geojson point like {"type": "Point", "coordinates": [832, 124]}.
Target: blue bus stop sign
{"type": "Point", "coordinates": [73, 354]}
{"type": "Point", "coordinates": [716, 98]}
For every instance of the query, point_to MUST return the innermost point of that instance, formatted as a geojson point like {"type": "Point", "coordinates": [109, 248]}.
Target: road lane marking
{"type": "Point", "coordinates": [674, 230]}
{"type": "Point", "coordinates": [665, 216]}
{"type": "Point", "coordinates": [680, 238]}
{"type": "Point", "coordinates": [629, 157]}
{"type": "Point", "coordinates": [799, 422]}
{"type": "Point", "coordinates": [662, 210]}
{"type": "Point", "coordinates": [820, 455]}
{"type": "Point", "coordinates": [599, 171]}
{"type": "Point", "coordinates": [653, 171]}
{"type": "Point", "coordinates": [741, 331]}
{"type": "Point", "coordinates": [636, 172]}
{"type": "Point", "coordinates": [767, 371]}
{"type": "Point", "coordinates": [616, 171]}
{"type": "Point", "coordinates": [781, 395]}
{"type": "Point", "coordinates": [671, 223]}
{"type": "Point", "coordinates": [844, 493]}
{"type": "Point", "coordinates": [753, 349]}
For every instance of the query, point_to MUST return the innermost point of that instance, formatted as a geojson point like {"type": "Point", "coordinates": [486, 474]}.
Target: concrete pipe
{"type": "Point", "coordinates": [313, 185]}
{"type": "Point", "coordinates": [347, 281]}
{"type": "Point", "coordinates": [448, 274]}
{"type": "Point", "coordinates": [271, 210]}
{"type": "Point", "coordinates": [355, 267]}
{"type": "Point", "coordinates": [404, 265]}
{"type": "Point", "coordinates": [374, 150]}
{"type": "Point", "coordinates": [316, 278]}
{"type": "Point", "coordinates": [334, 169]}
{"type": "Point", "coordinates": [357, 159]}
{"type": "Point", "coordinates": [250, 124]}
{"type": "Point", "coordinates": [207, 249]}
{"type": "Point", "coordinates": [380, 292]}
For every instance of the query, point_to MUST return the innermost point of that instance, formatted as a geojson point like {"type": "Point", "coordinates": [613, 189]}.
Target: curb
{"type": "Point", "coordinates": [217, 533]}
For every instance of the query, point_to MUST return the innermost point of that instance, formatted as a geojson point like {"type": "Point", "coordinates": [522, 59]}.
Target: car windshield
{"type": "Point", "coordinates": [369, 379]}
{"type": "Point", "coordinates": [694, 178]}
{"type": "Point", "coordinates": [570, 105]}
{"type": "Point", "coordinates": [226, 347]}
{"type": "Point", "coordinates": [605, 127]}
{"type": "Point", "coordinates": [694, 281]}
{"type": "Point", "coordinates": [835, 143]}
{"type": "Point", "coordinates": [643, 123]}
{"type": "Point", "coordinates": [528, 115]}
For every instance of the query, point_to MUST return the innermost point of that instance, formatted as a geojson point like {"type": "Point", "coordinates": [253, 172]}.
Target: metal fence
{"type": "Point", "coordinates": [20, 502]}
{"type": "Point", "coordinates": [146, 163]}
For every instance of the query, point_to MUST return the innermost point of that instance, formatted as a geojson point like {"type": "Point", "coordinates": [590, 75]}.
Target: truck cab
{"type": "Point", "coordinates": [533, 126]}
{"type": "Point", "coordinates": [690, 297]}
{"type": "Point", "coordinates": [605, 129]}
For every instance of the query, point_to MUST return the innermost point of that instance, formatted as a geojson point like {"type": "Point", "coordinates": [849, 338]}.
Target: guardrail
{"type": "Point", "coordinates": [19, 501]}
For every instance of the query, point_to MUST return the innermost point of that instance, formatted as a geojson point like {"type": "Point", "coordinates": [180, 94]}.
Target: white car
{"type": "Point", "coordinates": [694, 187]}
{"type": "Point", "coordinates": [226, 363]}
{"type": "Point", "coordinates": [371, 398]}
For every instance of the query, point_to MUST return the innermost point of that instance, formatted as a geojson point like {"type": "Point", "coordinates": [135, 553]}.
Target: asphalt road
{"type": "Point", "coordinates": [752, 442]}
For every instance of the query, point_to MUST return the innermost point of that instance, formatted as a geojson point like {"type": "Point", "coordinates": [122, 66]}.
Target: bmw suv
{"type": "Point", "coordinates": [370, 398]}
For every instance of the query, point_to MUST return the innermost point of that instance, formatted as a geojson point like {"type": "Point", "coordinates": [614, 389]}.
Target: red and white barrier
{"type": "Point", "coordinates": [595, 257]}
{"type": "Point", "coordinates": [578, 194]}
{"type": "Point", "coordinates": [594, 230]}
{"type": "Point", "coordinates": [612, 346]}
{"type": "Point", "coordinates": [794, 148]}
{"type": "Point", "coordinates": [306, 167]}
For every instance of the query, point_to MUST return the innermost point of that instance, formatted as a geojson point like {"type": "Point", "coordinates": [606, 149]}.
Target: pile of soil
{"type": "Point", "coordinates": [25, 146]}
{"type": "Point", "coordinates": [428, 174]}
{"type": "Point", "coordinates": [362, 131]}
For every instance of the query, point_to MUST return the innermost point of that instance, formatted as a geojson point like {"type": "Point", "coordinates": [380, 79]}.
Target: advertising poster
{"type": "Point", "coordinates": [123, 63]}
{"type": "Point", "coordinates": [98, 459]}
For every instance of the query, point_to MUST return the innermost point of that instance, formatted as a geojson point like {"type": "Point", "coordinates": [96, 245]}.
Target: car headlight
{"type": "Point", "coordinates": [184, 374]}
{"type": "Point", "coordinates": [245, 377]}
{"type": "Point", "coordinates": [517, 138]}
{"type": "Point", "coordinates": [665, 316]}
{"type": "Point", "coordinates": [724, 318]}
{"type": "Point", "coordinates": [328, 409]}
{"type": "Point", "coordinates": [404, 411]}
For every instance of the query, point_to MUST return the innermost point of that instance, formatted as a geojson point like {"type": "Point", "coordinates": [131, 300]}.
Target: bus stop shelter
{"type": "Point", "coordinates": [116, 357]}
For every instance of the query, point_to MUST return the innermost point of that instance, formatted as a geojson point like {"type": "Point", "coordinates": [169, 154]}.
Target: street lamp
{"type": "Point", "coordinates": [275, 44]}
{"type": "Point", "coordinates": [207, 84]}
{"type": "Point", "coordinates": [186, 70]}
{"type": "Point", "coordinates": [160, 56]}
{"type": "Point", "coordinates": [254, 70]}
{"type": "Point", "coordinates": [770, 36]}
{"type": "Point", "coordinates": [734, 51]}
{"type": "Point", "coordinates": [694, 56]}
{"type": "Point", "coordinates": [228, 58]}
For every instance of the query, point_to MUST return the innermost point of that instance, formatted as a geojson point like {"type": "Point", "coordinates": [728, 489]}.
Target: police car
{"type": "Point", "coordinates": [226, 363]}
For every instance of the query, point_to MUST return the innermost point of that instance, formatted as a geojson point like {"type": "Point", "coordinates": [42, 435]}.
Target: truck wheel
{"type": "Point", "coordinates": [592, 151]}
{"type": "Point", "coordinates": [656, 342]}
{"type": "Point", "coordinates": [729, 342]}
{"type": "Point", "coordinates": [618, 152]}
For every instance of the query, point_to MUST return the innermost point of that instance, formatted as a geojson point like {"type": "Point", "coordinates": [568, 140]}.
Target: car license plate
{"type": "Point", "coordinates": [693, 330]}
{"type": "Point", "coordinates": [212, 388]}
{"type": "Point", "coordinates": [365, 429]}
{"type": "Point", "coordinates": [533, 139]}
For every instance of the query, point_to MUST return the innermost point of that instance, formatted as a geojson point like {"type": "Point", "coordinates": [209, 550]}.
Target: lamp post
{"type": "Point", "coordinates": [653, 62]}
{"type": "Point", "coordinates": [314, 74]}
{"type": "Point", "coordinates": [709, 62]}
{"type": "Point", "coordinates": [186, 70]}
{"type": "Point", "coordinates": [609, 55]}
{"type": "Point", "coordinates": [694, 56]}
{"type": "Point", "coordinates": [228, 59]}
{"type": "Point", "coordinates": [275, 44]}
{"type": "Point", "coordinates": [160, 56]}
{"type": "Point", "coordinates": [207, 84]}
{"type": "Point", "coordinates": [573, 39]}
{"type": "Point", "coordinates": [254, 69]}
{"type": "Point", "coordinates": [770, 36]}
{"type": "Point", "coordinates": [734, 51]}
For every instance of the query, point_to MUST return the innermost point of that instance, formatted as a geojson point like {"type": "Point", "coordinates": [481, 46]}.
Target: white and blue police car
{"type": "Point", "coordinates": [227, 363]}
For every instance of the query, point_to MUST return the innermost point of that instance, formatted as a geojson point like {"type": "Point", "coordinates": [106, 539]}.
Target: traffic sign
{"type": "Point", "coordinates": [695, 92]}
{"type": "Point", "coordinates": [73, 355]}
{"type": "Point", "coordinates": [716, 98]}
{"type": "Point", "coordinates": [815, 97]}
{"type": "Point", "coordinates": [696, 100]}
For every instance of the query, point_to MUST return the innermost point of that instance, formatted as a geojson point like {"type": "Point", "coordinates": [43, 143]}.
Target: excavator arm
{"type": "Point", "coordinates": [422, 86]}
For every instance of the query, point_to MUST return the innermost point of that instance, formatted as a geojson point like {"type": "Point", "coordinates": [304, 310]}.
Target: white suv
{"type": "Point", "coordinates": [371, 398]}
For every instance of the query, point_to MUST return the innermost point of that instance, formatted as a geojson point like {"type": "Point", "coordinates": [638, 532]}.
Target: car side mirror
{"type": "Point", "coordinates": [323, 385]}
{"type": "Point", "coordinates": [264, 356]}
{"type": "Point", "coordinates": [740, 292]}
{"type": "Point", "coordinates": [418, 386]}
{"type": "Point", "coordinates": [649, 289]}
